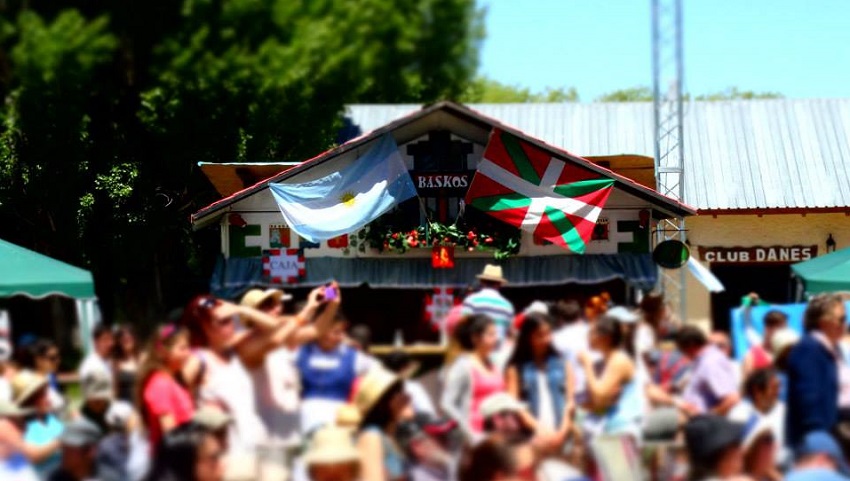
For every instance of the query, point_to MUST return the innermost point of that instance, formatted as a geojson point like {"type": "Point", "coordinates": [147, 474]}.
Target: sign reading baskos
{"type": "Point", "coordinates": [434, 181]}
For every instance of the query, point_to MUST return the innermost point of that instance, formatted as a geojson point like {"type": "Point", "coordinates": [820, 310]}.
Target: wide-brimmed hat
{"type": "Point", "coordinates": [348, 415]}
{"type": "Point", "coordinates": [782, 340]}
{"type": "Point", "coordinates": [25, 384]}
{"type": "Point", "coordinates": [97, 385]}
{"type": "Point", "coordinates": [256, 297]}
{"type": "Point", "coordinates": [331, 445]}
{"type": "Point", "coordinates": [623, 315]}
{"type": "Point", "coordinates": [499, 403]}
{"type": "Point", "coordinates": [372, 388]}
{"type": "Point", "coordinates": [11, 410]}
{"type": "Point", "coordinates": [708, 434]}
{"type": "Point", "coordinates": [401, 363]}
{"type": "Point", "coordinates": [492, 273]}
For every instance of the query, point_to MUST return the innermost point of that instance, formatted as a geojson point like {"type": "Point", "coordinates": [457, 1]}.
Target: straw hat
{"type": "Point", "coordinates": [25, 384]}
{"type": "Point", "coordinates": [12, 410]}
{"type": "Point", "coordinates": [402, 364]}
{"type": "Point", "coordinates": [372, 387]}
{"type": "Point", "coordinates": [331, 445]}
{"type": "Point", "coordinates": [256, 297]}
{"type": "Point", "coordinates": [782, 340]}
{"type": "Point", "coordinates": [347, 415]}
{"type": "Point", "coordinates": [492, 273]}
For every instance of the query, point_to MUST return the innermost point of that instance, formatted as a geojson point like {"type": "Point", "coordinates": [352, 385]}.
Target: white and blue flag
{"type": "Point", "coordinates": [347, 200]}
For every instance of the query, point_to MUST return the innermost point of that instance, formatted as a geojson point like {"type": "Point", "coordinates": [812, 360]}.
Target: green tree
{"type": "Point", "coordinates": [632, 94]}
{"type": "Point", "coordinates": [486, 90]}
{"type": "Point", "coordinates": [644, 94]}
{"type": "Point", "coordinates": [733, 93]}
{"type": "Point", "coordinates": [110, 105]}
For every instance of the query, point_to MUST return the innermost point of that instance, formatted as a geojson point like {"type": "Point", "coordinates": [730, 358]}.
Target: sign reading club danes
{"type": "Point", "coordinates": [752, 255]}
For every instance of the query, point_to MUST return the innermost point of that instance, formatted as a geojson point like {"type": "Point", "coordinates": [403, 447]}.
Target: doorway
{"type": "Point", "coordinates": [772, 282]}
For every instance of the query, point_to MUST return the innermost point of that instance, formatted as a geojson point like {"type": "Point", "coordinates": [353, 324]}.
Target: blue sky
{"type": "Point", "coordinates": [798, 48]}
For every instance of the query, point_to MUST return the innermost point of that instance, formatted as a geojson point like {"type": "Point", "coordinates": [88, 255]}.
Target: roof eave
{"type": "Point", "coordinates": [674, 208]}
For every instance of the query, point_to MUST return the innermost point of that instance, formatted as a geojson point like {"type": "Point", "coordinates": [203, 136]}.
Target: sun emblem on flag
{"type": "Point", "coordinates": [347, 199]}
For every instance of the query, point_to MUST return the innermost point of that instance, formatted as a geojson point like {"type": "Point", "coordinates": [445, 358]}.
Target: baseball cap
{"type": "Point", "coordinates": [212, 418]}
{"type": "Point", "coordinates": [97, 385]}
{"type": "Point", "coordinates": [708, 434]}
{"type": "Point", "coordinates": [79, 433]}
{"type": "Point", "coordinates": [498, 403]}
{"type": "Point", "coordinates": [782, 340]}
{"type": "Point", "coordinates": [821, 442]}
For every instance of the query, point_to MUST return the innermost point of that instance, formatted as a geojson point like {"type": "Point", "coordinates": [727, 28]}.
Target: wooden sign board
{"type": "Point", "coordinates": [436, 181]}
{"type": "Point", "coordinates": [758, 254]}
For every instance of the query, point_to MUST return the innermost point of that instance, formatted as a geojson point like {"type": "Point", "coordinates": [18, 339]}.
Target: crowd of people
{"type": "Point", "coordinates": [559, 391]}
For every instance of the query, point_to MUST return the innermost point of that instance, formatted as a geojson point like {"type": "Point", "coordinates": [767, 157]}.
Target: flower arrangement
{"type": "Point", "coordinates": [386, 237]}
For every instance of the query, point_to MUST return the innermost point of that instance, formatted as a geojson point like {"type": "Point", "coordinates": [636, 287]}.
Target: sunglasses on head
{"type": "Point", "coordinates": [208, 302]}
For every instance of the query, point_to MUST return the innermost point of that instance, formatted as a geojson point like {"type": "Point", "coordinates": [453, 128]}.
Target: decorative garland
{"type": "Point", "coordinates": [387, 237]}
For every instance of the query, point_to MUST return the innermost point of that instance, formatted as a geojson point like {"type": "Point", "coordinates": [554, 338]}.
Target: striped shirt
{"type": "Point", "coordinates": [490, 302]}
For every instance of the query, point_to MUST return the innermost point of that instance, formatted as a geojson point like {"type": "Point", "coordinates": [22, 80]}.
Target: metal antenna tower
{"type": "Point", "coordinates": [667, 73]}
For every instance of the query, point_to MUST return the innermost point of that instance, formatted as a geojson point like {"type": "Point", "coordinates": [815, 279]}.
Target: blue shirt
{"type": "Point", "coordinates": [488, 301]}
{"type": "Point", "coordinates": [39, 432]}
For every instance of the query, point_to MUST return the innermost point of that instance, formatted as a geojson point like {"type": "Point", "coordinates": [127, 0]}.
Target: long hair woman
{"type": "Point", "coordinates": [383, 405]}
{"type": "Point", "coordinates": [188, 453]}
{"type": "Point", "coordinates": [126, 358]}
{"type": "Point", "coordinates": [162, 399]}
{"type": "Point", "coordinates": [473, 376]}
{"type": "Point", "coordinates": [539, 376]}
{"type": "Point", "coordinates": [614, 394]}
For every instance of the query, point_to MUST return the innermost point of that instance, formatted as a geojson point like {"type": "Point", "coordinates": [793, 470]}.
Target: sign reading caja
{"type": "Point", "coordinates": [758, 254]}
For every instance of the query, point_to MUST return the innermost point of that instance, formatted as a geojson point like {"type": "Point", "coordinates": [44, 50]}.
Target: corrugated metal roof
{"type": "Point", "coordinates": [748, 154]}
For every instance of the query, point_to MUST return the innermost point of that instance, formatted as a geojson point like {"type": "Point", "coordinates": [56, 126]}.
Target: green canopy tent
{"type": "Point", "coordinates": [28, 273]}
{"type": "Point", "coordinates": [827, 273]}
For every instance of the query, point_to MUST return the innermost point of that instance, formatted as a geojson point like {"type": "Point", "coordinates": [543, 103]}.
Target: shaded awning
{"type": "Point", "coordinates": [825, 273]}
{"type": "Point", "coordinates": [28, 273]}
{"type": "Point", "coordinates": [233, 276]}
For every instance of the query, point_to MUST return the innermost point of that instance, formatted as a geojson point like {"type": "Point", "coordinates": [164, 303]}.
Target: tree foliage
{"type": "Point", "coordinates": [644, 94]}
{"type": "Point", "coordinates": [486, 90]}
{"type": "Point", "coordinates": [110, 105]}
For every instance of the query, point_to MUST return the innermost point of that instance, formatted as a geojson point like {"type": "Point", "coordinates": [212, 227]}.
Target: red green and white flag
{"type": "Point", "coordinates": [524, 186]}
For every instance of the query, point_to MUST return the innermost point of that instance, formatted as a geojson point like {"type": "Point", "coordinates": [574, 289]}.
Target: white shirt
{"type": "Point", "coordinates": [5, 390]}
{"type": "Point", "coordinates": [546, 407]}
{"type": "Point", "coordinates": [93, 363]}
{"type": "Point", "coordinates": [419, 398]}
{"type": "Point", "coordinates": [572, 339]}
{"type": "Point", "coordinates": [775, 418]}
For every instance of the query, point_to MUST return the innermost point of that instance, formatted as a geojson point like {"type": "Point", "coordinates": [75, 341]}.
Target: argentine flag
{"type": "Point", "coordinates": [347, 200]}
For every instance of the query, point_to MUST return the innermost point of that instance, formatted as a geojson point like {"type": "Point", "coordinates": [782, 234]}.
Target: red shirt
{"type": "Point", "coordinates": [162, 396]}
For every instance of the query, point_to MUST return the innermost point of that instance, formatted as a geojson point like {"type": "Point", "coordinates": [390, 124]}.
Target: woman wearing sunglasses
{"type": "Point", "coordinates": [225, 353]}
{"type": "Point", "coordinates": [45, 356]}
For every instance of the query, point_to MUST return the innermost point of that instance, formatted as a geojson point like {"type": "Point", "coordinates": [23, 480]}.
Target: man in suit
{"type": "Point", "coordinates": [813, 370]}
